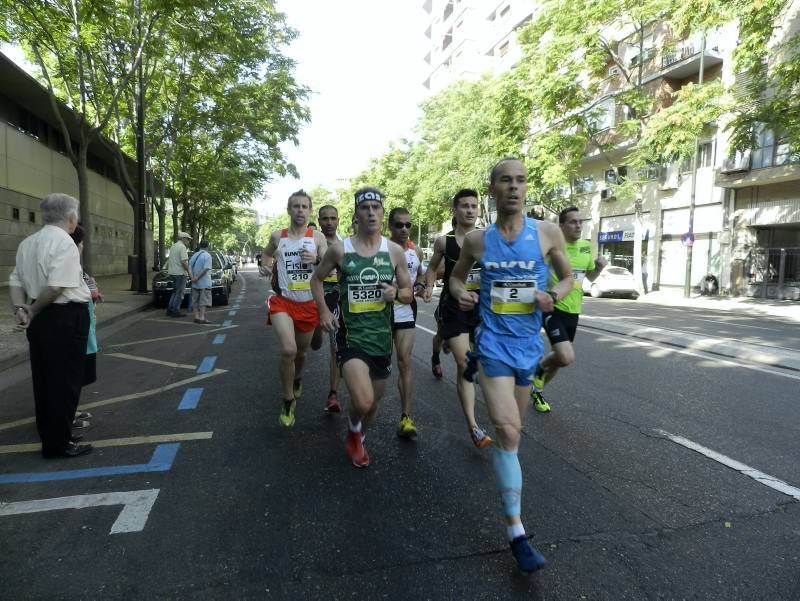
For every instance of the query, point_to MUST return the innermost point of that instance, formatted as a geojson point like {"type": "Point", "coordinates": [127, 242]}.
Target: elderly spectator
{"type": "Point", "coordinates": [178, 271]}
{"type": "Point", "coordinates": [201, 282]}
{"type": "Point", "coordinates": [50, 300]}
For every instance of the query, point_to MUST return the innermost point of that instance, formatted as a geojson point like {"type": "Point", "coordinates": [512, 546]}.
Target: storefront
{"type": "Point", "coordinates": [616, 237]}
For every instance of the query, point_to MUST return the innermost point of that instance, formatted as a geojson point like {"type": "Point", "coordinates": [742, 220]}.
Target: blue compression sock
{"type": "Point", "coordinates": [508, 474]}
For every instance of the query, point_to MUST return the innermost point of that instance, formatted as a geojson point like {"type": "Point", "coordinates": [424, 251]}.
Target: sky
{"type": "Point", "coordinates": [363, 60]}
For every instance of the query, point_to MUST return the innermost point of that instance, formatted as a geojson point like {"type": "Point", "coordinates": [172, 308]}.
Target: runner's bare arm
{"type": "Point", "coordinates": [419, 283]}
{"type": "Point", "coordinates": [559, 262]}
{"type": "Point", "coordinates": [331, 259]}
{"type": "Point", "coordinates": [268, 254]}
{"type": "Point", "coordinates": [599, 263]}
{"type": "Point", "coordinates": [471, 251]}
{"type": "Point", "coordinates": [322, 245]}
{"type": "Point", "coordinates": [403, 292]}
{"type": "Point", "coordinates": [430, 273]}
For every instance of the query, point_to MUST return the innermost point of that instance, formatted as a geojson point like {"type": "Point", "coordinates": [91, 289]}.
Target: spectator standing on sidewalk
{"type": "Point", "coordinates": [50, 300]}
{"type": "Point", "coordinates": [200, 267]}
{"type": "Point", "coordinates": [79, 418]}
{"type": "Point", "coordinates": [178, 271]}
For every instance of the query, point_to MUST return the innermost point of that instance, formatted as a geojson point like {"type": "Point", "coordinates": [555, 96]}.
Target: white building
{"type": "Point", "coordinates": [468, 38]}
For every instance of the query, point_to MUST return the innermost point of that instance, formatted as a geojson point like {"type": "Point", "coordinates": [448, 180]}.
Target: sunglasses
{"type": "Point", "coordinates": [401, 226]}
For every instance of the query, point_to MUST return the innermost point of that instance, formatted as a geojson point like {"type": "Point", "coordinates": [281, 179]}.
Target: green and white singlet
{"type": "Point", "coordinates": [366, 317]}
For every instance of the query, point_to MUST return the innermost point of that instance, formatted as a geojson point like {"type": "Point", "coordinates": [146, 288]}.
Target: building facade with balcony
{"type": "Point", "coordinates": [746, 208]}
{"type": "Point", "coordinates": [468, 38]}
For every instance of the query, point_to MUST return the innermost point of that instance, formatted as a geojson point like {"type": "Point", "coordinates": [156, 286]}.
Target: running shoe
{"type": "Point", "coordinates": [286, 417]}
{"type": "Point", "coordinates": [538, 381]}
{"type": "Point", "coordinates": [355, 449]}
{"type": "Point", "coordinates": [333, 406]}
{"type": "Point", "coordinates": [528, 557]}
{"type": "Point", "coordinates": [539, 402]}
{"type": "Point", "coordinates": [406, 428]}
{"type": "Point", "coordinates": [436, 367]}
{"type": "Point", "coordinates": [479, 438]}
{"type": "Point", "coordinates": [297, 388]}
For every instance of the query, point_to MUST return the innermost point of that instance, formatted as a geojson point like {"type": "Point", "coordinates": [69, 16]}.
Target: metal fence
{"type": "Point", "coordinates": [773, 273]}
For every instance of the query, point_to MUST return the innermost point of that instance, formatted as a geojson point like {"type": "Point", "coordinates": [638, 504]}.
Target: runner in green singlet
{"type": "Point", "coordinates": [561, 324]}
{"type": "Point", "coordinates": [368, 263]}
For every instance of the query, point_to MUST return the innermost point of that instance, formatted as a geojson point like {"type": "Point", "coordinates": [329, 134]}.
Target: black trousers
{"type": "Point", "coordinates": [57, 339]}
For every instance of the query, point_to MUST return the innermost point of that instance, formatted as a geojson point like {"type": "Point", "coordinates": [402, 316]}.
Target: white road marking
{"type": "Point", "coordinates": [746, 470]}
{"type": "Point", "coordinates": [682, 351]}
{"type": "Point", "coordinates": [185, 323]}
{"type": "Point", "coordinates": [124, 397]}
{"type": "Point", "coordinates": [424, 329]}
{"type": "Point", "coordinates": [133, 517]}
{"type": "Point", "coordinates": [150, 360]}
{"type": "Point", "coordinates": [116, 442]}
{"type": "Point", "coordinates": [201, 333]}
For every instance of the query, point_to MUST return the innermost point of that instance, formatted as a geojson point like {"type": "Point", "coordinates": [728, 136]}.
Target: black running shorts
{"type": "Point", "coordinates": [560, 326]}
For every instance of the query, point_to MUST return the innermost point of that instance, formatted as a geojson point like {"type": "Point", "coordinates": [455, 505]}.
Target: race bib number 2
{"type": "Point", "coordinates": [365, 298]}
{"type": "Point", "coordinates": [513, 297]}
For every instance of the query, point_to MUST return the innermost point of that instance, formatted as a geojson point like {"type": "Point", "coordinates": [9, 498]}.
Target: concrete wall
{"type": "Point", "coordinates": [29, 170]}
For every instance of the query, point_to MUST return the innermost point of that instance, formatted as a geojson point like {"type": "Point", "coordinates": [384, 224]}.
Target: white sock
{"type": "Point", "coordinates": [514, 531]}
{"type": "Point", "coordinates": [354, 427]}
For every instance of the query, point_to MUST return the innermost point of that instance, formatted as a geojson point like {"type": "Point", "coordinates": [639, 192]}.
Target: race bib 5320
{"type": "Point", "coordinates": [362, 298]}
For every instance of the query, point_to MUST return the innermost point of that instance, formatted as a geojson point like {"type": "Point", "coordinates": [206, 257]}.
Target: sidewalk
{"type": "Point", "coordinates": [742, 305]}
{"type": "Point", "coordinates": [763, 354]}
{"type": "Point", "coordinates": [119, 302]}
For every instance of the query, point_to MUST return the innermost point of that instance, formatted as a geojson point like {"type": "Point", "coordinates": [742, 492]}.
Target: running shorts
{"type": "Point", "coordinates": [380, 368]}
{"type": "Point", "coordinates": [560, 326]}
{"type": "Point", "coordinates": [304, 314]}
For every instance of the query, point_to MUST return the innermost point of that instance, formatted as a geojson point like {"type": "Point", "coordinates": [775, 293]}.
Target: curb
{"type": "Point", "coordinates": [21, 357]}
{"type": "Point", "coordinates": [730, 350]}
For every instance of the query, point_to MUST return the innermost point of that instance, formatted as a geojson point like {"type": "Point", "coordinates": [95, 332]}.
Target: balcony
{"type": "Point", "coordinates": [684, 61]}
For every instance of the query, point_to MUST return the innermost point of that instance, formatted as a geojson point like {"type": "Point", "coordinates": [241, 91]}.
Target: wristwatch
{"type": "Point", "coordinates": [553, 295]}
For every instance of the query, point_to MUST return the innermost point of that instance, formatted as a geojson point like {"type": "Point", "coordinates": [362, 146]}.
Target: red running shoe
{"type": "Point", "coordinates": [333, 405]}
{"type": "Point", "coordinates": [355, 449]}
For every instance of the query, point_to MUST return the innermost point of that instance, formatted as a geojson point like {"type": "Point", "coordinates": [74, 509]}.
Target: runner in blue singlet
{"type": "Point", "coordinates": [513, 255]}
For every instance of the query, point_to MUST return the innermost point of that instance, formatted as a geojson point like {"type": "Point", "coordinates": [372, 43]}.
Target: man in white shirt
{"type": "Point", "coordinates": [50, 301]}
{"type": "Point", "coordinates": [178, 271]}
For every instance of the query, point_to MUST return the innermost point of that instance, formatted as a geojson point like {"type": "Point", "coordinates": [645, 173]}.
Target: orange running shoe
{"type": "Point", "coordinates": [355, 449]}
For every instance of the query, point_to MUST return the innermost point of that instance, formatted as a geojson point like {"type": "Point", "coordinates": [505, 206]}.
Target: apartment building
{"type": "Point", "coordinates": [746, 217]}
{"type": "Point", "coordinates": [33, 163]}
{"type": "Point", "coordinates": [468, 38]}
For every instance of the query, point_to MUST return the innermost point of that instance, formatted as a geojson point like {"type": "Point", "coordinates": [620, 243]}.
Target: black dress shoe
{"type": "Point", "coordinates": [76, 438]}
{"type": "Point", "coordinates": [72, 449]}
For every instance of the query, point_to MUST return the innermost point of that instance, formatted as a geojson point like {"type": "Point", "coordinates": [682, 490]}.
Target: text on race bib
{"type": "Point", "coordinates": [578, 275]}
{"type": "Point", "coordinates": [473, 281]}
{"type": "Point", "coordinates": [362, 298]}
{"type": "Point", "coordinates": [298, 275]}
{"type": "Point", "coordinates": [513, 297]}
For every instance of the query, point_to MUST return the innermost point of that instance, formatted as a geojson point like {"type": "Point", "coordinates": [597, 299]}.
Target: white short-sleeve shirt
{"type": "Point", "coordinates": [50, 258]}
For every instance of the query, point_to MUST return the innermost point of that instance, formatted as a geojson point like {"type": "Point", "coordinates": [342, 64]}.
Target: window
{"type": "Point", "coordinates": [32, 216]}
{"type": "Point", "coordinates": [504, 11]}
{"type": "Point", "coordinates": [503, 50]}
{"type": "Point", "coordinates": [447, 40]}
{"type": "Point", "coordinates": [15, 213]}
{"type": "Point", "coordinates": [705, 158]}
{"type": "Point", "coordinates": [583, 184]}
{"type": "Point", "coordinates": [610, 176]}
{"type": "Point", "coordinates": [448, 10]}
{"type": "Point", "coordinates": [602, 115]}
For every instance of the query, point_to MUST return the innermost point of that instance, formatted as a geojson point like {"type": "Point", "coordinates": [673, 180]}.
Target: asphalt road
{"type": "Point", "coordinates": [244, 509]}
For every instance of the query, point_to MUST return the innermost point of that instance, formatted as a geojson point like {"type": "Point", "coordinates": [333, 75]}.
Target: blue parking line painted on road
{"type": "Point", "coordinates": [232, 313]}
{"type": "Point", "coordinates": [218, 339]}
{"type": "Point", "coordinates": [190, 398]}
{"type": "Point", "coordinates": [161, 461]}
{"type": "Point", "coordinates": [227, 323]}
{"type": "Point", "coordinates": [207, 365]}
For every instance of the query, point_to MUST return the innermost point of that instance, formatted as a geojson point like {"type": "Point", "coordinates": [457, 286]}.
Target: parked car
{"type": "Point", "coordinates": [220, 288]}
{"type": "Point", "coordinates": [612, 281]}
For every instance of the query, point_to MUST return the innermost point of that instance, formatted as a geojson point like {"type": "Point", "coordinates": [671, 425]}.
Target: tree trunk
{"type": "Point", "coordinates": [85, 209]}
{"type": "Point", "coordinates": [175, 228]}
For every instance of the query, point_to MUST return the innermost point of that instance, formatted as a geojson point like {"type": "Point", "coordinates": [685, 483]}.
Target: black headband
{"type": "Point", "coordinates": [368, 195]}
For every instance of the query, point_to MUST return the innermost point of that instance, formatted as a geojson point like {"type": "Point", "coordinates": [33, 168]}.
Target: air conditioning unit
{"type": "Point", "coordinates": [607, 194]}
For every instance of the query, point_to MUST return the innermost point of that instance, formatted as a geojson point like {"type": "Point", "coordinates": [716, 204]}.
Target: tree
{"type": "Point", "coordinates": [63, 38]}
